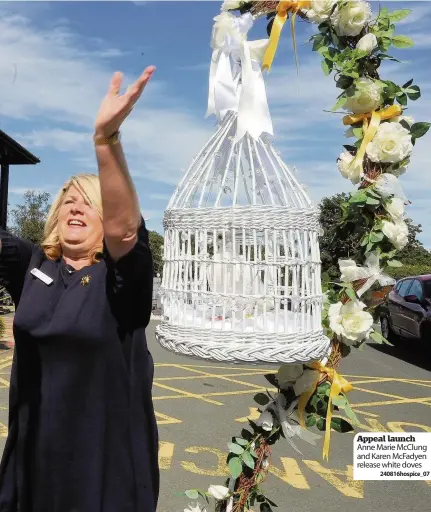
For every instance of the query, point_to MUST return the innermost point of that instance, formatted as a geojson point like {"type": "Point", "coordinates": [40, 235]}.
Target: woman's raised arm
{"type": "Point", "coordinates": [121, 211]}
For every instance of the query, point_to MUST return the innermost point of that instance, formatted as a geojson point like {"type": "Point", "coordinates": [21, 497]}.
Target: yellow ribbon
{"type": "Point", "coordinates": [338, 384]}
{"type": "Point", "coordinates": [369, 128]}
{"type": "Point", "coordinates": [283, 10]}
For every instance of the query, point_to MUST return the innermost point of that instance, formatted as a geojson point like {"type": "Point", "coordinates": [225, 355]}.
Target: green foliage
{"type": "Point", "coordinates": [156, 244]}
{"type": "Point", "coordinates": [29, 218]}
{"type": "Point", "coordinates": [347, 240]}
{"type": "Point", "coordinates": [408, 271]}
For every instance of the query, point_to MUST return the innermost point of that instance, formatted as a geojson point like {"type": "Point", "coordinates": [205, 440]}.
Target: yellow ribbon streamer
{"type": "Point", "coordinates": [338, 384]}
{"type": "Point", "coordinates": [369, 129]}
{"type": "Point", "coordinates": [283, 10]}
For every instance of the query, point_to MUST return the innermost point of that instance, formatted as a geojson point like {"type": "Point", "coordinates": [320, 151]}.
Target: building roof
{"type": "Point", "coordinates": [11, 152]}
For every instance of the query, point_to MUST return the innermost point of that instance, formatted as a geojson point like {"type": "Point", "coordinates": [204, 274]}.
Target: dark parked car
{"type": "Point", "coordinates": [407, 310]}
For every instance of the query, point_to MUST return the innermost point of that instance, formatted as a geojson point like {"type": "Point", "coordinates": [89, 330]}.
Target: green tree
{"type": "Point", "coordinates": [340, 241]}
{"type": "Point", "coordinates": [28, 219]}
{"type": "Point", "coordinates": [156, 244]}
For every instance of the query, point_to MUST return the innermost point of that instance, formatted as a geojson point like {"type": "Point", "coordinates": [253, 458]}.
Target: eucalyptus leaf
{"type": "Point", "coordinates": [399, 14]}
{"type": "Point", "coordinates": [248, 460]}
{"type": "Point", "coordinates": [241, 441]}
{"type": "Point", "coordinates": [326, 66]}
{"type": "Point", "coordinates": [261, 399]}
{"type": "Point", "coordinates": [235, 448]}
{"type": "Point", "coordinates": [413, 92]}
{"type": "Point", "coordinates": [419, 129]}
{"type": "Point", "coordinates": [192, 494]}
{"type": "Point", "coordinates": [341, 425]}
{"type": "Point", "coordinates": [407, 84]}
{"type": "Point", "coordinates": [311, 420]}
{"type": "Point", "coordinates": [383, 56]}
{"type": "Point", "coordinates": [402, 42]}
{"type": "Point", "coordinates": [340, 103]}
{"type": "Point", "coordinates": [235, 467]}
{"type": "Point", "coordinates": [351, 294]}
{"type": "Point", "coordinates": [376, 236]}
{"type": "Point", "coordinates": [402, 99]}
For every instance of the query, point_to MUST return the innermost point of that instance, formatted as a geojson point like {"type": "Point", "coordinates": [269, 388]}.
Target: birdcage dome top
{"type": "Point", "coordinates": [227, 173]}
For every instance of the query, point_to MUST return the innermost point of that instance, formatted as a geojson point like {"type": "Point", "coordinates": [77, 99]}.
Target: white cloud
{"type": "Point", "coordinates": [50, 77]}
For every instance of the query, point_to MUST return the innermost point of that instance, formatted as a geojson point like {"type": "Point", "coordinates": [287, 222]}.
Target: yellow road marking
{"type": "Point", "coordinates": [165, 420]}
{"type": "Point", "coordinates": [186, 394]}
{"type": "Point", "coordinates": [204, 374]}
{"type": "Point", "coordinates": [5, 382]}
{"type": "Point", "coordinates": [349, 487]}
{"type": "Point", "coordinates": [221, 377]}
{"type": "Point", "coordinates": [166, 454]}
{"type": "Point", "coordinates": [221, 470]}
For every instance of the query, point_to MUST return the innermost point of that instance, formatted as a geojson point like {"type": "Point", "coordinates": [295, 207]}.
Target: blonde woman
{"type": "Point", "coordinates": [82, 432]}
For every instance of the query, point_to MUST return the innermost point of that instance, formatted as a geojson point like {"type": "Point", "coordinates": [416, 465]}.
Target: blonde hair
{"type": "Point", "coordinates": [89, 186]}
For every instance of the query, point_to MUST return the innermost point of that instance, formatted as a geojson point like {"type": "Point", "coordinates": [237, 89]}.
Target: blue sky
{"type": "Point", "coordinates": [57, 59]}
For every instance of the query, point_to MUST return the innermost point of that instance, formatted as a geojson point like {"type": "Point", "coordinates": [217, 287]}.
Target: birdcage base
{"type": "Point", "coordinates": [237, 347]}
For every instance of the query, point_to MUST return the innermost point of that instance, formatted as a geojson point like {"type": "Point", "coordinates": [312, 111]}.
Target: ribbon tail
{"type": "Point", "coordinates": [211, 89]}
{"type": "Point", "coordinates": [295, 52]}
{"type": "Point", "coordinates": [274, 38]}
{"type": "Point", "coordinates": [367, 285]}
{"type": "Point", "coordinates": [335, 391]}
{"type": "Point", "coordinates": [369, 131]}
{"type": "Point", "coordinates": [253, 112]}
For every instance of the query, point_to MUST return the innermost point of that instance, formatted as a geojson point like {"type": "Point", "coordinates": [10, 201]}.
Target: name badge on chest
{"type": "Point", "coordinates": [40, 275]}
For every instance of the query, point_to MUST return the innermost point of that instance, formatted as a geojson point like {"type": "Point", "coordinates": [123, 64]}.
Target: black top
{"type": "Point", "coordinates": [82, 431]}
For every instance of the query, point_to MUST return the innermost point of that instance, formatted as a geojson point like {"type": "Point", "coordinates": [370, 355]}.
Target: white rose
{"type": "Point", "coordinates": [219, 492]}
{"type": "Point", "coordinates": [225, 25]}
{"type": "Point", "coordinates": [350, 19]}
{"type": "Point", "coordinates": [408, 119]}
{"type": "Point", "coordinates": [288, 374]}
{"type": "Point", "coordinates": [229, 5]}
{"type": "Point", "coordinates": [306, 381]}
{"type": "Point", "coordinates": [348, 171]}
{"type": "Point", "coordinates": [320, 10]}
{"type": "Point", "coordinates": [391, 144]}
{"type": "Point", "coordinates": [366, 98]}
{"type": "Point", "coordinates": [367, 43]}
{"type": "Point", "coordinates": [395, 207]}
{"type": "Point", "coordinates": [397, 232]}
{"type": "Point", "coordinates": [266, 421]}
{"type": "Point", "coordinates": [349, 321]}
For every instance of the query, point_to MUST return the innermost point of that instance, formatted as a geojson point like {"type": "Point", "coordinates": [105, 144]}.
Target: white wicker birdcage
{"type": "Point", "coordinates": [241, 279]}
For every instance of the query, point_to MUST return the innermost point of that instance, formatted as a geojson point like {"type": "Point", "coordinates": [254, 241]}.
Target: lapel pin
{"type": "Point", "coordinates": [85, 280]}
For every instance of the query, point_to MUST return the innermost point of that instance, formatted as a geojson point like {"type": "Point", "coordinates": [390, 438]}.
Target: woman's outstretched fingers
{"type": "Point", "coordinates": [116, 81]}
{"type": "Point", "coordinates": [137, 88]}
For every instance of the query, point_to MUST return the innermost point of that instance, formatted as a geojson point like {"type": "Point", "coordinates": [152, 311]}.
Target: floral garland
{"type": "Point", "coordinates": [353, 45]}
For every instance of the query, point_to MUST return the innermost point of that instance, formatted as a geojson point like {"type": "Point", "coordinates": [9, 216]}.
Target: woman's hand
{"type": "Point", "coordinates": [115, 108]}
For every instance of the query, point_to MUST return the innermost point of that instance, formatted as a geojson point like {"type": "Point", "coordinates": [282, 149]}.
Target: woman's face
{"type": "Point", "coordinates": [80, 228]}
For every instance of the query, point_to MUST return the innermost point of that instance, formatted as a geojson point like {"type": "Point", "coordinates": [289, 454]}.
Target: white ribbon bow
{"type": "Point", "coordinates": [371, 272]}
{"type": "Point", "coordinates": [291, 428]}
{"type": "Point", "coordinates": [236, 82]}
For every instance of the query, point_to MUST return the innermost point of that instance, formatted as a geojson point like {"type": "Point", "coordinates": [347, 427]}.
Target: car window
{"type": "Point", "coordinates": [416, 289]}
{"type": "Point", "coordinates": [427, 286]}
{"type": "Point", "coordinates": [398, 286]}
{"type": "Point", "coordinates": [405, 285]}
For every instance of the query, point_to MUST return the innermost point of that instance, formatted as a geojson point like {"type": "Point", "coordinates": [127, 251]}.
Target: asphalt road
{"type": "Point", "coordinates": [200, 405]}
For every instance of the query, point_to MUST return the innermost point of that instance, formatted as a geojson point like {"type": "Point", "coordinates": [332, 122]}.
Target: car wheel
{"type": "Point", "coordinates": [386, 328]}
